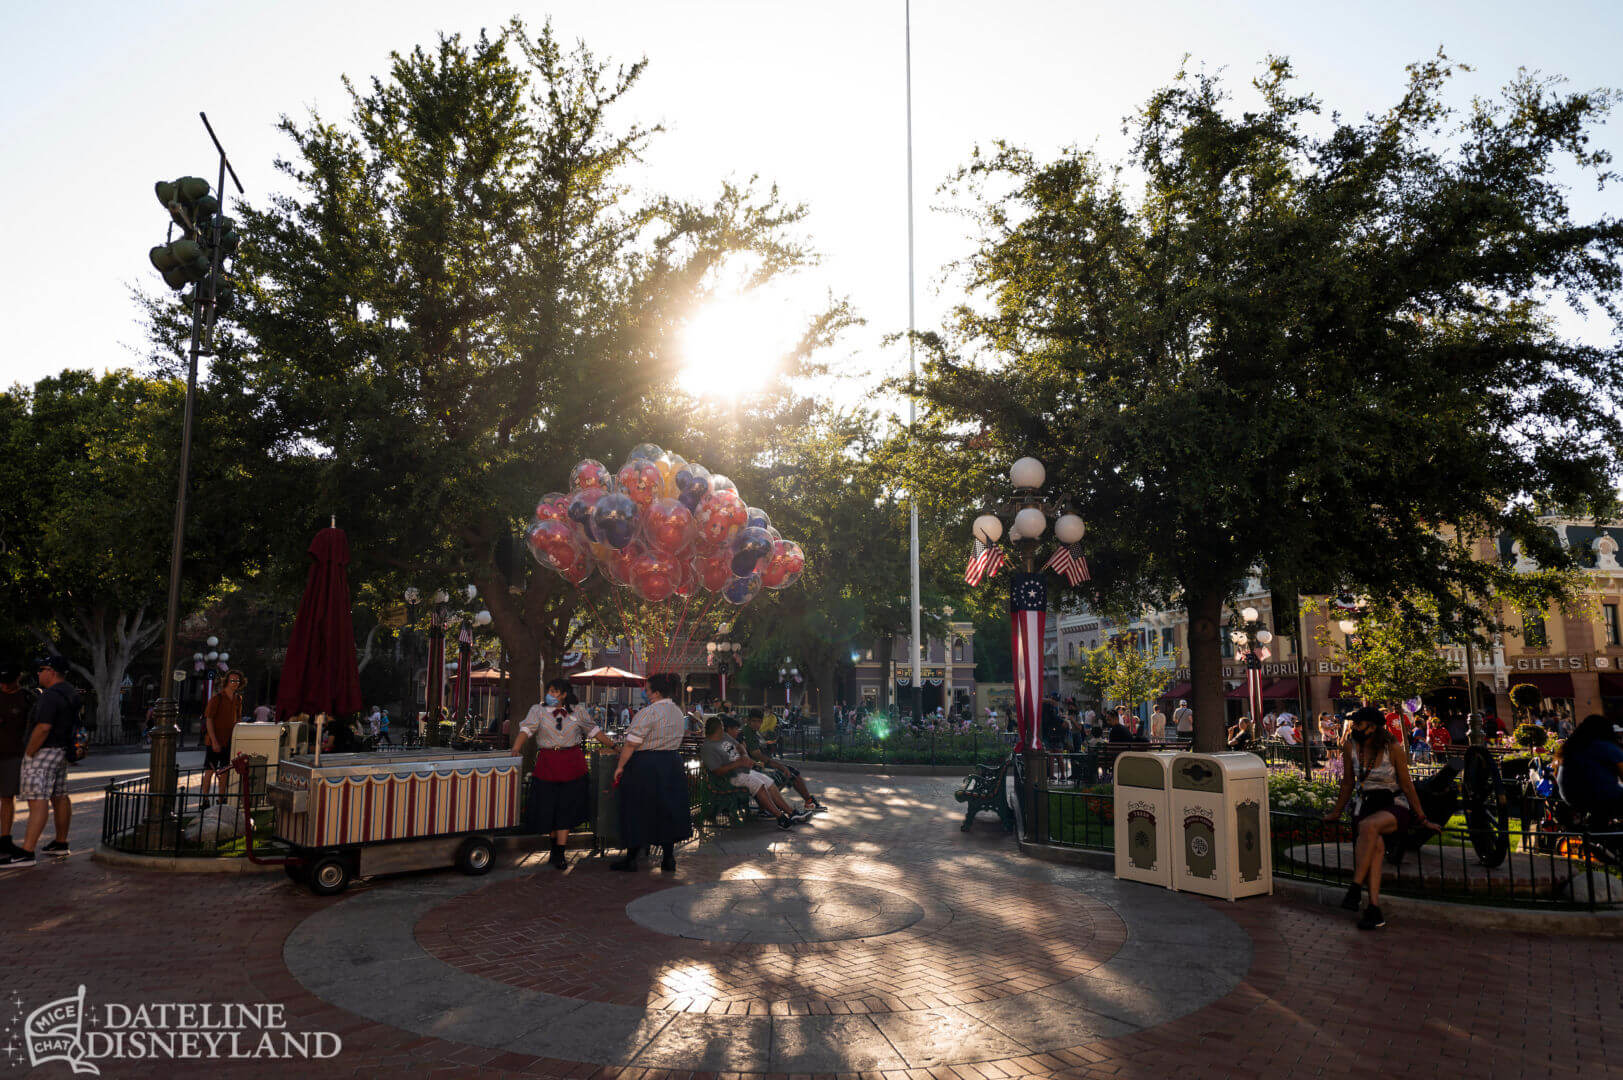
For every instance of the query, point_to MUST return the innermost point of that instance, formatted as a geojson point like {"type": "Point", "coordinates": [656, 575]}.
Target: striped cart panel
{"type": "Point", "coordinates": [406, 805]}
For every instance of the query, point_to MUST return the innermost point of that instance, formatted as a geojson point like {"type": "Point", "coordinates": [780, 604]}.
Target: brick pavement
{"type": "Point", "coordinates": [1318, 998]}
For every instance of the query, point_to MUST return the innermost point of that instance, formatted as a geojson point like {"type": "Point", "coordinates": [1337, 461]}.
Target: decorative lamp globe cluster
{"type": "Point", "coordinates": [1025, 515]}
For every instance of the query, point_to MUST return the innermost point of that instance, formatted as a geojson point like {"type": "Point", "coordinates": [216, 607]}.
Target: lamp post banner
{"type": "Point", "coordinates": [1028, 612]}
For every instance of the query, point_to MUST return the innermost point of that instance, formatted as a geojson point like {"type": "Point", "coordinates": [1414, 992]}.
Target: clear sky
{"type": "Point", "coordinates": [101, 99]}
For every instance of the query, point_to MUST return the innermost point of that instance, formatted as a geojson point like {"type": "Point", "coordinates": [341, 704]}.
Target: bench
{"type": "Point", "coordinates": [986, 789]}
{"type": "Point", "coordinates": [717, 797]}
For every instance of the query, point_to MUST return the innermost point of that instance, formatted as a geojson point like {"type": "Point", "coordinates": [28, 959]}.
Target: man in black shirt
{"type": "Point", "coordinates": [15, 704]}
{"type": "Point", "coordinates": [45, 762]}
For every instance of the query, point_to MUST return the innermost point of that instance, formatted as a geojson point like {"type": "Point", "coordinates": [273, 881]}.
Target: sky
{"type": "Point", "coordinates": [102, 100]}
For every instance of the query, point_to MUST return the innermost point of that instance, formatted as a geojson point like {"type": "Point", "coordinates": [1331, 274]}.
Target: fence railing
{"type": "Point", "coordinates": [895, 744]}
{"type": "Point", "coordinates": [1064, 803]}
{"type": "Point", "coordinates": [137, 820]}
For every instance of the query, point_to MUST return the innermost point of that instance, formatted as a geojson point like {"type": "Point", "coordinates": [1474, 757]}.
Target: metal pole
{"type": "Point", "coordinates": [915, 643]}
{"type": "Point", "coordinates": [1309, 727]}
{"type": "Point", "coordinates": [162, 773]}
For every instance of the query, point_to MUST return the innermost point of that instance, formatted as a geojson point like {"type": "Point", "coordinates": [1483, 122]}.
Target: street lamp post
{"type": "Point", "coordinates": [1028, 510]}
{"type": "Point", "coordinates": [722, 655]}
{"type": "Point", "coordinates": [408, 708]}
{"type": "Point", "coordinates": [1251, 638]}
{"type": "Point", "coordinates": [788, 675]}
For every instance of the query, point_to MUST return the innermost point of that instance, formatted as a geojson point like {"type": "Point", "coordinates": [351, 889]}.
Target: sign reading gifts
{"type": "Point", "coordinates": [1579, 662]}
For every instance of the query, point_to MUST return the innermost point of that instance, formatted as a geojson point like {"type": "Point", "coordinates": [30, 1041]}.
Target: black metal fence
{"type": "Point", "coordinates": [186, 823]}
{"type": "Point", "coordinates": [894, 743]}
{"type": "Point", "coordinates": [1064, 802]}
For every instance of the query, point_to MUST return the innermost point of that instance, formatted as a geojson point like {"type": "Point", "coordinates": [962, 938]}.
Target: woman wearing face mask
{"type": "Point", "coordinates": [1387, 803]}
{"type": "Point", "coordinates": [558, 795]}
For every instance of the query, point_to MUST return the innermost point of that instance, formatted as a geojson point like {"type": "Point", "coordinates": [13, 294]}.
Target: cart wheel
{"type": "Point", "coordinates": [329, 875]}
{"type": "Point", "coordinates": [296, 871]}
{"type": "Point", "coordinates": [476, 856]}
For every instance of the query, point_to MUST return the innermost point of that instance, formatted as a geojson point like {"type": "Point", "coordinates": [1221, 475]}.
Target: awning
{"type": "Point", "coordinates": [1280, 689]}
{"type": "Point", "coordinates": [1611, 685]}
{"type": "Point", "coordinates": [1239, 693]}
{"type": "Point", "coordinates": [1181, 690]}
{"type": "Point", "coordinates": [1550, 684]}
{"type": "Point", "coordinates": [1338, 689]}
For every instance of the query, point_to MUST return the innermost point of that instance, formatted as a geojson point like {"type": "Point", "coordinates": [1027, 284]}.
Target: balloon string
{"type": "Point", "coordinates": [698, 621]}
{"type": "Point", "coordinates": [625, 624]}
{"type": "Point", "coordinates": [676, 635]}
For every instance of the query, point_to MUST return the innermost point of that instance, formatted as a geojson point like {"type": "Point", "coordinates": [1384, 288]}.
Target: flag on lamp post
{"type": "Point", "coordinates": [1028, 614]}
{"type": "Point", "coordinates": [1253, 686]}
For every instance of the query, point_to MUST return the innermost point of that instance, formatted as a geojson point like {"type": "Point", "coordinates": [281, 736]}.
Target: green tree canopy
{"type": "Point", "coordinates": [461, 296]}
{"type": "Point", "coordinates": [1311, 345]}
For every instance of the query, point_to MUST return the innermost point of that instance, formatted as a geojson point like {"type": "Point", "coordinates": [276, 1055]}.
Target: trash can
{"type": "Point", "coordinates": [1143, 823]}
{"type": "Point", "coordinates": [1220, 805]}
{"type": "Point", "coordinates": [605, 801]}
{"type": "Point", "coordinates": [263, 745]}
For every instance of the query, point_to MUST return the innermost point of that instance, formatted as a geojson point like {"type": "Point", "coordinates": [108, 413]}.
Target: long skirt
{"type": "Point", "coordinates": [555, 805]}
{"type": "Point", "coordinates": [654, 800]}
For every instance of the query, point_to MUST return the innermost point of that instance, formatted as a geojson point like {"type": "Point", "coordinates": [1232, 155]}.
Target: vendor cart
{"type": "Point", "coordinates": [358, 815]}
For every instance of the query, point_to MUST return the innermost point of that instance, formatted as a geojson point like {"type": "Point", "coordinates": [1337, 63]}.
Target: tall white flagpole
{"type": "Point", "coordinates": [912, 373]}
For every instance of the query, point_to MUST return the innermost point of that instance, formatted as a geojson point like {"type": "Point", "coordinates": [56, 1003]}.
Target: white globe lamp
{"type": "Point", "coordinates": [1249, 614]}
{"type": "Point", "coordinates": [988, 529]}
{"type": "Point", "coordinates": [1028, 472]}
{"type": "Point", "coordinates": [1069, 529]}
{"type": "Point", "coordinates": [1346, 626]}
{"type": "Point", "coordinates": [482, 619]}
{"type": "Point", "coordinates": [213, 641]}
{"type": "Point", "coordinates": [1031, 522]}
{"type": "Point", "coordinates": [1265, 636]}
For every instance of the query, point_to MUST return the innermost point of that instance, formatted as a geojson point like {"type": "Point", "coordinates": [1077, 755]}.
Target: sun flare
{"type": "Point", "coordinates": [734, 345]}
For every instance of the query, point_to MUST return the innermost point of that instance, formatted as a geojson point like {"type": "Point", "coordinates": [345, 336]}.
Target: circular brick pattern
{"type": "Point", "coordinates": [774, 911]}
{"type": "Point", "coordinates": [593, 936]}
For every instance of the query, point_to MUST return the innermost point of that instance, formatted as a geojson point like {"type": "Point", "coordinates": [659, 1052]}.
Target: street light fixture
{"type": "Point", "coordinates": [1023, 517]}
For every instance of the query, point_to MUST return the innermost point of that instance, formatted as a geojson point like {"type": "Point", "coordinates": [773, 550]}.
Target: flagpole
{"type": "Point", "coordinates": [915, 642]}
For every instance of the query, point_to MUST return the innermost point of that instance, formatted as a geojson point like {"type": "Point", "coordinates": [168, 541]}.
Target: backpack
{"type": "Point", "coordinates": [78, 745]}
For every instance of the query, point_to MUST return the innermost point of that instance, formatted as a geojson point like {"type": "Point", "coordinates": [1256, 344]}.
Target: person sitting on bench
{"type": "Point", "coordinates": [755, 746]}
{"type": "Point", "coordinates": [722, 757]}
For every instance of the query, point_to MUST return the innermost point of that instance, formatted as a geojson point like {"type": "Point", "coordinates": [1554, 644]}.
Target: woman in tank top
{"type": "Point", "coordinates": [1376, 765]}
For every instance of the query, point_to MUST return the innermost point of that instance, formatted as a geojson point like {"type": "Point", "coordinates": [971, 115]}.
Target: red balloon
{"type": "Point", "coordinates": [667, 525]}
{"type": "Point", "coordinates": [618, 565]}
{"type": "Point", "coordinates": [654, 576]}
{"type": "Point", "coordinates": [553, 544]}
{"type": "Point", "coordinates": [590, 473]}
{"type": "Point", "coordinates": [552, 507]}
{"type": "Point", "coordinates": [579, 574]}
{"type": "Point", "coordinates": [689, 583]}
{"type": "Point", "coordinates": [719, 518]}
{"type": "Point", "coordinates": [713, 572]}
{"type": "Point", "coordinates": [640, 479]}
{"type": "Point", "coordinates": [784, 565]}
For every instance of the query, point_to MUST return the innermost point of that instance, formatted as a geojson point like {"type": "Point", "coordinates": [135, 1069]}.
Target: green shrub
{"type": "Point", "coordinates": [1293, 793]}
{"type": "Point", "coordinates": [1530, 736]}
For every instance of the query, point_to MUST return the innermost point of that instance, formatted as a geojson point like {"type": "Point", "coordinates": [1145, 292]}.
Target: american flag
{"type": "Point", "coordinates": [983, 564]}
{"type": "Point", "coordinates": [1028, 612]}
{"type": "Point", "coordinates": [1066, 561]}
{"type": "Point", "coordinates": [1253, 691]}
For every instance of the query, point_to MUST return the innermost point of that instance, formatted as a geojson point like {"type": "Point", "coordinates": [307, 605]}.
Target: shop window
{"type": "Point", "coordinates": [1072, 652]}
{"type": "Point", "coordinates": [1533, 633]}
{"type": "Point", "coordinates": [1227, 645]}
{"type": "Point", "coordinates": [1609, 613]}
{"type": "Point", "coordinates": [958, 650]}
{"type": "Point", "coordinates": [1166, 641]}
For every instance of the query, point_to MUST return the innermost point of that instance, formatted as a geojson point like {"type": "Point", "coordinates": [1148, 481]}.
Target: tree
{"type": "Point", "coordinates": [90, 463]}
{"type": "Point", "coordinates": [459, 298]}
{"type": "Point", "coordinates": [1390, 658]}
{"type": "Point", "coordinates": [1119, 671]}
{"type": "Point", "coordinates": [1328, 356]}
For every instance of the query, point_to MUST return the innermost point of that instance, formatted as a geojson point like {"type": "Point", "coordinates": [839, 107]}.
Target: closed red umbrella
{"type": "Point", "coordinates": [321, 674]}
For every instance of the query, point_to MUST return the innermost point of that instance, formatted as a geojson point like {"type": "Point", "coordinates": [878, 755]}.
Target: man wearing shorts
{"type": "Point", "coordinates": [15, 705]}
{"type": "Point", "coordinates": [784, 774]}
{"type": "Point", "coordinates": [219, 717]}
{"type": "Point", "coordinates": [723, 757]}
{"type": "Point", "coordinates": [43, 784]}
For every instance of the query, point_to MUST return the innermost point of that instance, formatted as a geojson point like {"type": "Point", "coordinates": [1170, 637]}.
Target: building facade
{"type": "Point", "coordinates": [947, 667]}
{"type": "Point", "coordinates": [1573, 658]}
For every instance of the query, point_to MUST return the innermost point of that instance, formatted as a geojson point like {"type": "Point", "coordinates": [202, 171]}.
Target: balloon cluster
{"type": "Point", "coordinates": [661, 526]}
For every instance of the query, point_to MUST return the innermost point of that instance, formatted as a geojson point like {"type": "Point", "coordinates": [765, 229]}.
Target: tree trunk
{"type": "Point", "coordinates": [109, 641]}
{"type": "Point", "coordinates": [1205, 607]}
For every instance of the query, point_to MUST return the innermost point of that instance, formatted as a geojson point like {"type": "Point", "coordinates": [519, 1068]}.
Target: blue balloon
{"type": "Point", "coordinates": [750, 546]}
{"type": "Point", "coordinates": [615, 519]}
{"type": "Point", "coordinates": [580, 512]}
{"type": "Point", "coordinates": [756, 518]}
{"type": "Point", "coordinates": [691, 499]}
{"type": "Point", "coordinates": [742, 590]}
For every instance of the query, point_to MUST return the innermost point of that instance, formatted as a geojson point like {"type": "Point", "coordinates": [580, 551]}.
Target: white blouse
{"type": "Point", "coordinates": [554, 727]}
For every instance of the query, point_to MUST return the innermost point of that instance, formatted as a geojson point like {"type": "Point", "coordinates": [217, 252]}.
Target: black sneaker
{"type": "Point", "coordinates": [57, 847]}
{"type": "Point", "coordinates": [1355, 895]}
{"type": "Point", "coordinates": [16, 860]}
{"type": "Point", "coordinates": [802, 815]}
{"type": "Point", "coordinates": [8, 846]}
{"type": "Point", "coordinates": [785, 821]}
{"type": "Point", "coordinates": [1371, 919]}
